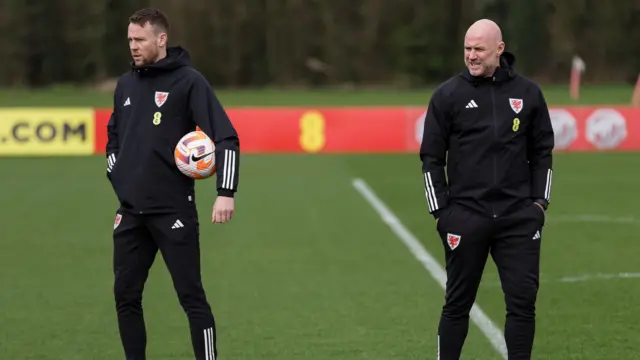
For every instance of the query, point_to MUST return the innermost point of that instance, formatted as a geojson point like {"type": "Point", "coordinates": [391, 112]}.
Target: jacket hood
{"type": "Point", "coordinates": [177, 57]}
{"type": "Point", "coordinates": [503, 73]}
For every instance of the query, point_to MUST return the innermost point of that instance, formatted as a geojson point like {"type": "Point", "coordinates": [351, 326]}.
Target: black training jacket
{"type": "Point", "coordinates": [153, 107]}
{"type": "Point", "coordinates": [494, 137]}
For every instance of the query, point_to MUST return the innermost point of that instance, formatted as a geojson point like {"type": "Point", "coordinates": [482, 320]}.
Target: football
{"type": "Point", "coordinates": [194, 155]}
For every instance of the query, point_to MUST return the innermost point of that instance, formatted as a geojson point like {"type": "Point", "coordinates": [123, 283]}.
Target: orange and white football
{"type": "Point", "coordinates": [194, 155]}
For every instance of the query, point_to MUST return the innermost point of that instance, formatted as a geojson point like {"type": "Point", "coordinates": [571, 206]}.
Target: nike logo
{"type": "Point", "coordinates": [198, 158]}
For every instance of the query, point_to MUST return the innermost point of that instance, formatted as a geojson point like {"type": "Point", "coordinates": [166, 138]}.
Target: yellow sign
{"type": "Point", "coordinates": [312, 131]}
{"type": "Point", "coordinates": [46, 131]}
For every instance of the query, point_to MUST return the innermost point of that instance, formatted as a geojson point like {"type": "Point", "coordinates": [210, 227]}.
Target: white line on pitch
{"type": "Point", "coordinates": [491, 331]}
{"type": "Point", "coordinates": [575, 278]}
{"type": "Point", "coordinates": [587, 277]}
{"type": "Point", "coordinates": [592, 218]}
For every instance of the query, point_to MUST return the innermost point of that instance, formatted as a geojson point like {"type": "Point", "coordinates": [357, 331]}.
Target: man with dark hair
{"type": "Point", "coordinates": [491, 128]}
{"type": "Point", "coordinates": [158, 101]}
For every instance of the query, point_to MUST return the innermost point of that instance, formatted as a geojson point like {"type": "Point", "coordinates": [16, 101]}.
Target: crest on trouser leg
{"type": "Point", "coordinates": [453, 240]}
{"type": "Point", "coordinates": [117, 222]}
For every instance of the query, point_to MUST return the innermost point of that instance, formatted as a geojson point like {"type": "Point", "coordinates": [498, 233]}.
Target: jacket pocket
{"type": "Point", "coordinates": [442, 221]}
{"type": "Point", "coordinates": [540, 213]}
{"type": "Point", "coordinates": [113, 178]}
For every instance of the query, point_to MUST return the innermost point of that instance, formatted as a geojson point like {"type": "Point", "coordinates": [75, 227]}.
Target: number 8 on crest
{"type": "Point", "coordinates": [157, 117]}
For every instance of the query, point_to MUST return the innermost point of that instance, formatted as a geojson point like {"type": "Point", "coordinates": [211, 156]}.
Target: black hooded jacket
{"type": "Point", "coordinates": [153, 107]}
{"type": "Point", "coordinates": [494, 137]}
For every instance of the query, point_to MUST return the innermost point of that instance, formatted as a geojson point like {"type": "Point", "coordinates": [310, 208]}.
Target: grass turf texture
{"type": "Point", "coordinates": [66, 96]}
{"type": "Point", "coordinates": [307, 270]}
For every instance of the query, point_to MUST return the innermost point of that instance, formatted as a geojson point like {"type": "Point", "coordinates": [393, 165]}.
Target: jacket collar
{"type": "Point", "coordinates": [504, 72]}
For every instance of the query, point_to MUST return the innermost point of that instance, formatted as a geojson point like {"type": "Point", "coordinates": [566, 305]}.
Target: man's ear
{"type": "Point", "coordinates": [162, 39]}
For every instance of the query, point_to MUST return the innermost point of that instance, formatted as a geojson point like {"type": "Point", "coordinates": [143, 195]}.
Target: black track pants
{"type": "Point", "coordinates": [137, 239]}
{"type": "Point", "coordinates": [514, 244]}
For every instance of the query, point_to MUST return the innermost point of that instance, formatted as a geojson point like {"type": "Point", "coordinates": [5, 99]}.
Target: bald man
{"type": "Point", "coordinates": [490, 128]}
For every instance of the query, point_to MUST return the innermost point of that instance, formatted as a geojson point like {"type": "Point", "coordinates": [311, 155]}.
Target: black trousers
{"type": "Point", "coordinates": [514, 244]}
{"type": "Point", "coordinates": [136, 240]}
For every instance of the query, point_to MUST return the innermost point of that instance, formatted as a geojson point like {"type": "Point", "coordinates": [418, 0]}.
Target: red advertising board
{"type": "Point", "coordinates": [399, 129]}
{"type": "Point", "coordinates": [588, 129]}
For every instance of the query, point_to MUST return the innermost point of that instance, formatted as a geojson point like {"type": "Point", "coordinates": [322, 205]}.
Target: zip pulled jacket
{"type": "Point", "coordinates": [494, 137]}
{"type": "Point", "coordinates": [153, 107]}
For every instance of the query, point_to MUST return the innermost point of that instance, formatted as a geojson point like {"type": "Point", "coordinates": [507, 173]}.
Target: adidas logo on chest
{"type": "Point", "coordinates": [472, 104]}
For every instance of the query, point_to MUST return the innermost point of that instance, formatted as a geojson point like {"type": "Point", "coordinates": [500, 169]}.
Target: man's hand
{"type": "Point", "coordinates": [223, 209]}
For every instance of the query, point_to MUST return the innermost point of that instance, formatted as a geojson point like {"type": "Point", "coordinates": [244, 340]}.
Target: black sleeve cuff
{"type": "Point", "coordinates": [437, 213]}
{"type": "Point", "coordinates": [544, 203]}
{"type": "Point", "coordinates": [225, 192]}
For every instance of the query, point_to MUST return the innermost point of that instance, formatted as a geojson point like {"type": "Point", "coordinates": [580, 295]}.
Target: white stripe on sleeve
{"type": "Point", "coordinates": [229, 169]}
{"type": "Point", "coordinates": [430, 193]}
{"type": "Point", "coordinates": [547, 188]}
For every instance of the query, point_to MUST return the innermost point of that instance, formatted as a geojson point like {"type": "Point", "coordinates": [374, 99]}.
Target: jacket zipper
{"type": "Point", "coordinates": [495, 135]}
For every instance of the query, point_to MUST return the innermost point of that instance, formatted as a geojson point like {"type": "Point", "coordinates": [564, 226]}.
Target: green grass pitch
{"type": "Point", "coordinates": [307, 270]}
{"type": "Point", "coordinates": [67, 96]}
